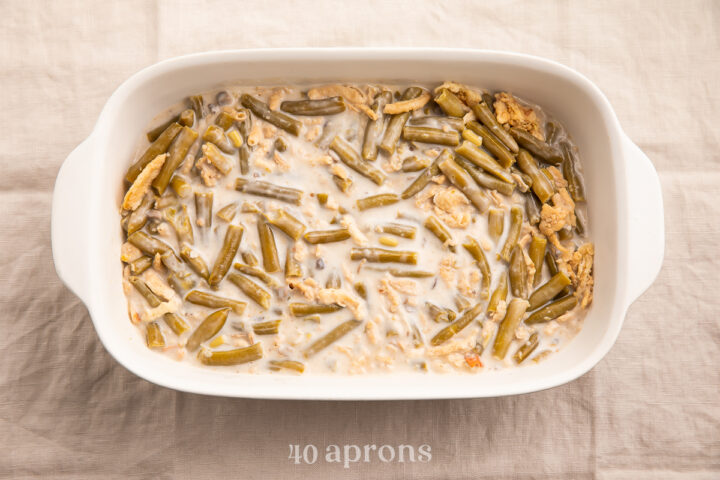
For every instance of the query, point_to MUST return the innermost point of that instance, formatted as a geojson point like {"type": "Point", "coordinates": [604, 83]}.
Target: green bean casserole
{"type": "Point", "coordinates": [356, 229]}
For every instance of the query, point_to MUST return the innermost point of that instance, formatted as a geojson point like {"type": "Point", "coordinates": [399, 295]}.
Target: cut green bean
{"type": "Point", "coordinates": [154, 133]}
{"type": "Point", "coordinates": [380, 200]}
{"type": "Point", "coordinates": [180, 283]}
{"type": "Point", "coordinates": [270, 327]}
{"type": "Point", "coordinates": [483, 179]}
{"type": "Point", "coordinates": [464, 182]}
{"type": "Point", "coordinates": [269, 190]}
{"type": "Point", "coordinates": [145, 291]}
{"type": "Point", "coordinates": [492, 144]}
{"type": "Point", "coordinates": [471, 137]}
{"type": "Point", "coordinates": [227, 213]}
{"type": "Point", "coordinates": [461, 302]}
{"type": "Point", "coordinates": [506, 331]}
{"type": "Point", "coordinates": [262, 110]}
{"type": "Point", "coordinates": [518, 273]}
{"type": "Point", "coordinates": [499, 294]}
{"type": "Point", "coordinates": [210, 300]}
{"type": "Point", "coordinates": [439, 315]}
{"type": "Point", "coordinates": [173, 263]}
{"type": "Point", "coordinates": [280, 144]}
{"type": "Point", "coordinates": [327, 236]}
{"type": "Point", "coordinates": [438, 121]}
{"type": "Point", "coordinates": [216, 136]}
{"type": "Point", "coordinates": [381, 255]}
{"type": "Point", "coordinates": [483, 113]}
{"type": "Point", "coordinates": [451, 330]}
{"type": "Point", "coordinates": [209, 327]}
{"type": "Point", "coordinates": [374, 128]}
{"type": "Point", "coordinates": [196, 262]}
{"type": "Point", "coordinates": [147, 244]}
{"type": "Point", "coordinates": [225, 120]}
{"type": "Point", "coordinates": [333, 281]}
{"type": "Point", "coordinates": [496, 223]}
{"type": "Point", "coordinates": [537, 147]}
{"type": "Point", "coordinates": [293, 268]}
{"type": "Point", "coordinates": [343, 184]}
{"type": "Point", "coordinates": [249, 258]}
{"type": "Point", "coordinates": [180, 186]}
{"type": "Point", "coordinates": [288, 224]}
{"type": "Point", "coordinates": [349, 157]}
{"type": "Point", "coordinates": [305, 309]}
{"type": "Point", "coordinates": [276, 365]}
{"type": "Point", "coordinates": [180, 221]}
{"type": "Point", "coordinates": [450, 104]}
{"type": "Point", "coordinates": [414, 164]}
{"type": "Point", "coordinates": [536, 252]}
{"type": "Point", "coordinates": [484, 161]}
{"type": "Point", "coordinates": [553, 310]}
{"type": "Point", "coordinates": [422, 180]}
{"type": "Point", "coordinates": [213, 155]}
{"type": "Point", "coordinates": [410, 273]}
{"type": "Point", "coordinates": [331, 337]}
{"type": "Point", "coordinates": [552, 132]}
{"type": "Point", "coordinates": [322, 106]}
{"type": "Point", "coordinates": [516, 219]}
{"type": "Point", "coordinates": [235, 356]}
{"type": "Point", "coordinates": [397, 229]}
{"type": "Point", "coordinates": [580, 222]}
{"type": "Point", "coordinates": [257, 273]}
{"type": "Point", "coordinates": [158, 147]}
{"type": "Point", "coordinates": [203, 209]}
{"type": "Point", "coordinates": [231, 243]}
{"type": "Point", "coordinates": [139, 265]}
{"type": "Point", "coordinates": [397, 122]}
{"type": "Point", "coordinates": [138, 217]}
{"type": "Point", "coordinates": [489, 101]}
{"type": "Point", "coordinates": [176, 154]}
{"type": "Point", "coordinates": [571, 174]}
{"type": "Point", "coordinates": [254, 291]}
{"type": "Point", "coordinates": [244, 159]}
{"type": "Point", "coordinates": [268, 247]}
{"type": "Point", "coordinates": [475, 250]}
{"type": "Point", "coordinates": [549, 290]}
{"type": "Point", "coordinates": [430, 135]}
{"type": "Point", "coordinates": [527, 348]}
{"type": "Point", "coordinates": [436, 227]}
{"type": "Point", "coordinates": [153, 336]}
{"type": "Point", "coordinates": [197, 103]}
{"type": "Point", "coordinates": [532, 209]}
{"type": "Point", "coordinates": [361, 289]}
{"type": "Point", "coordinates": [541, 185]}
{"type": "Point", "coordinates": [176, 323]}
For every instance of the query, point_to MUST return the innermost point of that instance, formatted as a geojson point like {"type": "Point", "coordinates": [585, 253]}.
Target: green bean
{"type": "Point", "coordinates": [235, 356]}
{"type": "Point", "coordinates": [268, 247]}
{"type": "Point", "coordinates": [532, 209]}
{"type": "Point", "coordinates": [158, 147]}
{"type": "Point", "coordinates": [580, 222]}
{"type": "Point", "coordinates": [180, 283]}
{"type": "Point", "coordinates": [527, 348]}
{"type": "Point", "coordinates": [138, 217]}
{"type": "Point", "coordinates": [414, 164]}
{"type": "Point", "coordinates": [332, 336]}
{"type": "Point", "coordinates": [423, 179]}
{"type": "Point", "coordinates": [327, 236]}
{"type": "Point", "coordinates": [461, 302]}
{"type": "Point", "coordinates": [397, 229]}
{"type": "Point", "coordinates": [227, 213]}
{"type": "Point", "coordinates": [350, 158]}
{"type": "Point", "coordinates": [292, 265]}
{"type": "Point", "coordinates": [197, 103]}
{"type": "Point", "coordinates": [333, 281]}
{"type": "Point", "coordinates": [537, 147]}
{"type": "Point", "coordinates": [280, 120]}
{"type": "Point", "coordinates": [216, 136]}
{"type": "Point", "coordinates": [471, 137]}
{"type": "Point", "coordinates": [518, 273]}
{"type": "Point", "coordinates": [439, 315]}
{"type": "Point", "coordinates": [176, 323]}
{"type": "Point", "coordinates": [553, 310]}
{"type": "Point", "coordinates": [276, 365]}
{"type": "Point", "coordinates": [375, 201]}
{"type": "Point", "coordinates": [483, 179]}
{"type": "Point", "coordinates": [450, 104]}
{"type": "Point", "coordinates": [489, 101]}
{"type": "Point", "coordinates": [361, 290]}
{"type": "Point", "coordinates": [397, 122]}
{"type": "Point", "coordinates": [343, 184]}
{"type": "Point", "coordinates": [496, 223]}
{"type": "Point", "coordinates": [463, 181]}
{"type": "Point", "coordinates": [280, 144]}
{"type": "Point", "coordinates": [209, 327]}
{"type": "Point", "coordinates": [430, 135]}
{"type": "Point", "coordinates": [270, 327]}
{"type": "Point", "coordinates": [565, 234]}
{"type": "Point", "coordinates": [552, 131]}
{"type": "Point", "coordinates": [145, 291]}
{"type": "Point", "coordinates": [257, 273]}
{"type": "Point", "coordinates": [571, 174]}
{"type": "Point", "coordinates": [448, 332]}
{"type": "Point", "coordinates": [213, 155]}
{"type": "Point", "coordinates": [436, 227]}
{"type": "Point", "coordinates": [254, 291]}
{"type": "Point", "coordinates": [522, 180]}
{"type": "Point", "coordinates": [322, 106]}
{"type": "Point", "coordinates": [154, 133]}
{"type": "Point", "coordinates": [269, 190]}
{"type": "Point", "coordinates": [374, 128]}
{"type": "Point", "coordinates": [203, 209]}
{"type": "Point", "coordinates": [165, 202]}
{"type": "Point", "coordinates": [288, 224]}
{"type": "Point", "coordinates": [516, 219]}
{"type": "Point", "coordinates": [506, 331]}
{"type": "Point", "coordinates": [541, 185]}
{"type": "Point", "coordinates": [206, 299]}
{"type": "Point", "coordinates": [154, 337]}
{"type": "Point", "coordinates": [176, 154]}
{"type": "Point", "coordinates": [139, 265]}
{"type": "Point", "coordinates": [437, 121]}
{"type": "Point", "coordinates": [305, 309]}
{"type": "Point", "coordinates": [148, 245]}
{"type": "Point", "coordinates": [180, 186]}
{"type": "Point", "coordinates": [536, 252]}
{"type": "Point", "coordinates": [551, 264]}
{"type": "Point", "coordinates": [224, 260]}
{"type": "Point", "coordinates": [484, 161]}
{"type": "Point", "coordinates": [244, 159]}
{"type": "Point", "coordinates": [476, 251]}
{"type": "Point", "coordinates": [549, 290]}
{"type": "Point", "coordinates": [180, 221]}
{"type": "Point", "coordinates": [225, 120]}
{"type": "Point", "coordinates": [492, 144]}
{"type": "Point", "coordinates": [192, 258]}
{"type": "Point", "coordinates": [499, 294]}
{"type": "Point", "coordinates": [410, 273]}
{"type": "Point", "coordinates": [483, 113]}
{"type": "Point", "coordinates": [381, 255]}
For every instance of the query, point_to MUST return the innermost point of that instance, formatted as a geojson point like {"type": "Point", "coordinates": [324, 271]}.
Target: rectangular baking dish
{"type": "Point", "coordinates": [624, 198]}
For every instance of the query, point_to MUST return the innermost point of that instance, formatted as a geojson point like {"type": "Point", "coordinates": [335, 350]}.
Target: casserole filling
{"type": "Point", "coordinates": [356, 229]}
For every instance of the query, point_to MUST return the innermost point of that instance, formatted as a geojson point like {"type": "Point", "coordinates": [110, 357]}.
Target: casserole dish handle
{"type": "Point", "coordinates": [69, 220]}
{"type": "Point", "coordinates": [646, 242]}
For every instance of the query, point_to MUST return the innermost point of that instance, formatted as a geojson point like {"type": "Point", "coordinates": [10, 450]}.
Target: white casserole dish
{"type": "Point", "coordinates": [624, 198]}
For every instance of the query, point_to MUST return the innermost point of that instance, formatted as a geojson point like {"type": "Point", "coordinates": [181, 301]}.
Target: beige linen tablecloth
{"type": "Point", "coordinates": [649, 410]}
